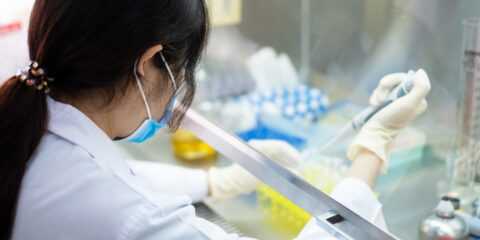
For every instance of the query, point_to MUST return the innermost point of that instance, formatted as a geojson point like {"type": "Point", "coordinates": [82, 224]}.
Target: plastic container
{"type": "Point", "coordinates": [284, 216]}
{"type": "Point", "coordinates": [280, 213]}
{"type": "Point", "coordinates": [188, 148]}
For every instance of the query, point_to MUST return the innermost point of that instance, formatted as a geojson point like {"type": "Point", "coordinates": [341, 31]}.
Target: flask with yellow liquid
{"type": "Point", "coordinates": [188, 148]}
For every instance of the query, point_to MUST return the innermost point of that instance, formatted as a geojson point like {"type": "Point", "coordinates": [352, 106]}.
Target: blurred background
{"type": "Point", "coordinates": [269, 61]}
{"type": "Point", "coordinates": [342, 47]}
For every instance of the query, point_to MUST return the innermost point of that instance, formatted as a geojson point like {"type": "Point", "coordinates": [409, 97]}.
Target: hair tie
{"type": "Point", "coordinates": [35, 77]}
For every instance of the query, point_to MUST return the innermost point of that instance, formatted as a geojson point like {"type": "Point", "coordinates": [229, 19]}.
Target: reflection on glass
{"type": "Point", "coordinates": [461, 167]}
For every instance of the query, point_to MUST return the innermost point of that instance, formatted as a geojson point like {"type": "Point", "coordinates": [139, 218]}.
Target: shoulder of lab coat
{"type": "Point", "coordinates": [172, 179]}
{"type": "Point", "coordinates": [78, 187]}
{"type": "Point", "coordinates": [356, 195]}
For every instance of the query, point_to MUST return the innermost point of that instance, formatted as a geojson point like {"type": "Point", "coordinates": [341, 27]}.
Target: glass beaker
{"type": "Point", "coordinates": [461, 168]}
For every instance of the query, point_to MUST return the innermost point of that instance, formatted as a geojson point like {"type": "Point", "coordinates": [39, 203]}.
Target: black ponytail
{"type": "Point", "coordinates": [24, 118]}
{"type": "Point", "coordinates": [90, 46]}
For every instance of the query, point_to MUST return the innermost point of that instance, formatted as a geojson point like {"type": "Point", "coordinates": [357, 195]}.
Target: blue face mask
{"type": "Point", "coordinates": [150, 126]}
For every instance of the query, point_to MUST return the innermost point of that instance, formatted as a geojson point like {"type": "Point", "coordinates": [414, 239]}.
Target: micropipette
{"type": "Point", "coordinates": [360, 119]}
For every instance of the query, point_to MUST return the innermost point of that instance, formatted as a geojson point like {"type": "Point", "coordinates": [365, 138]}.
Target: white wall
{"type": "Point", "coordinates": [13, 45]}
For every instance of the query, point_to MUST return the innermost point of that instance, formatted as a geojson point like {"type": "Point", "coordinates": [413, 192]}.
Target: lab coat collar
{"type": "Point", "coordinates": [71, 124]}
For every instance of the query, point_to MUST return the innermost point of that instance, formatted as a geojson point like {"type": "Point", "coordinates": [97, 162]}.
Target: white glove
{"type": "Point", "coordinates": [229, 182]}
{"type": "Point", "coordinates": [378, 133]}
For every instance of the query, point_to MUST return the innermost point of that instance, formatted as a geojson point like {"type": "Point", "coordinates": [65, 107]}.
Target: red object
{"type": "Point", "coordinates": [12, 27]}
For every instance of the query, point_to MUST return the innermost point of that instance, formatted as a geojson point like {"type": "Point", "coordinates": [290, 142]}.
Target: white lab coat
{"type": "Point", "coordinates": [78, 186]}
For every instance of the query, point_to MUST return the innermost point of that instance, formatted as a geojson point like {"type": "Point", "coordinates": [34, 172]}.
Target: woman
{"type": "Point", "coordinates": [106, 71]}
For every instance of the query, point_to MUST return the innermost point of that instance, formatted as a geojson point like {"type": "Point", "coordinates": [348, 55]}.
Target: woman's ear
{"type": "Point", "coordinates": [147, 56]}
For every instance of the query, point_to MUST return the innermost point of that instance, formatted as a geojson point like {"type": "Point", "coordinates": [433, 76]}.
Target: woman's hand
{"type": "Point", "coordinates": [229, 182]}
{"type": "Point", "coordinates": [378, 133]}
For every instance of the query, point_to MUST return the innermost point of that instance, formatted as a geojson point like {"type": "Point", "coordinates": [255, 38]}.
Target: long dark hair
{"type": "Point", "coordinates": [90, 45]}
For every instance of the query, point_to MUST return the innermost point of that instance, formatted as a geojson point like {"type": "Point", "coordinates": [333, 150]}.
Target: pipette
{"type": "Point", "coordinates": [360, 119]}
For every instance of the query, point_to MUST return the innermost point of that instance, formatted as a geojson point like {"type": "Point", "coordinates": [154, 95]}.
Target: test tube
{"type": "Point", "coordinates": [462, 167]}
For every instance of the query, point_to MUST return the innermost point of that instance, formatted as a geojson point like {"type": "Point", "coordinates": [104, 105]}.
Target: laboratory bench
{"type": "Point", "coordinates": [341, 49]}
{"type": "Point", "coordinates": [406, 200]}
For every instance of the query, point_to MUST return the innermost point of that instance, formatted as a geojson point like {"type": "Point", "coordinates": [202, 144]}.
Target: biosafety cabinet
{"type": "Point", "coordinates": [299, 70]}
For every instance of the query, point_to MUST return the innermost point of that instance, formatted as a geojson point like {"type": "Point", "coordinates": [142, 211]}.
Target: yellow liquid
{"type": "Point", "coordinates": [281, 214]}
{"type": "Point", "coordinates": [188, 148]}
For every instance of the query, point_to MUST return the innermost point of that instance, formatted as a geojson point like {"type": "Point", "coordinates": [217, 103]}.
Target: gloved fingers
{"type": "Point", "coordinates": [404, 108]}
{"type": "Point", "coordinates": [231, 181]}
{"type": "Point", "coordinates": [385, 86]}
{"type": "Point", "coordinates": [407, 104]}
{"type": "Point", "coordinates": [244, 177]}
{"type": "Point", "coordinates": [399, 113]}
{"type": "Point", "coordinates": [420, 109]}
{"type": "Point", "coordinates": [287, 155]}
{"type": "Point", "coordinates": [375, 98]}
{"type": "Point", "coordinates": [420, 90]}
{"type": "Point", "coordinates": [279, 151]}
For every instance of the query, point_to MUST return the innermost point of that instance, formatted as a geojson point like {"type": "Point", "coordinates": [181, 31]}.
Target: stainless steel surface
{"type": "Point", "coordinates": [443, 224]}
{"type": "Point", "coordinates": [288, 184]}
{"type": "Point", "coordinates": [205, 212]}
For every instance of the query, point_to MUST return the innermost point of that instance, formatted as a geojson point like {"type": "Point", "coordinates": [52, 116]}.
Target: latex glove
{"type": "Point", "coordinates": [378, 133]}
{"type": "Point", "coordinates": [229, 182]}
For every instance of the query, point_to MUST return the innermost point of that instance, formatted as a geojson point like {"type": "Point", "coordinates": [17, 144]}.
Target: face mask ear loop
{"type": "Point", "coordinates": [169, 71]}
{"type": "Point", "coordinates": [141, 90]}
